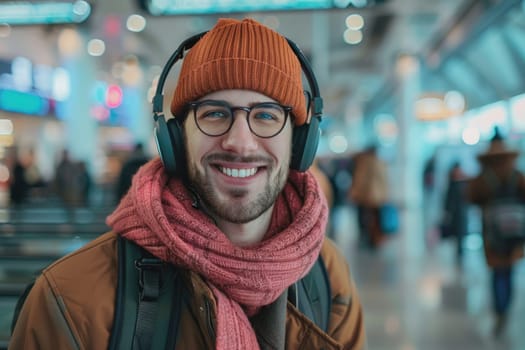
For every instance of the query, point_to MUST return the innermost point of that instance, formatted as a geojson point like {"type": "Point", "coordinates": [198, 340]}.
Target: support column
{"type": "Point", "coordinates": [81, 129]}
{"type": "Point", "coordinates": [140, 118]}
{"type": "Point", "coordinates": [409, 163]}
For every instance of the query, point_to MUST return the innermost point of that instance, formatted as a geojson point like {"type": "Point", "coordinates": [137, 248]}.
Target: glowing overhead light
{"type": "Point", "coordinates": [81, 8]}
{"type": "Point", "coordinates": [430, 106]}
{"type": "Point", "coordinates": [25, 13]}
{"type": "Point", "coordinates": [136, 23]}
{"type": "Point", "coordinates": [338, 144]}
{"type": "Point", "coordinates": [352, 37]}
{"type": "Point", "coordinates": [355, 21]}
{"type": "Point", "coordinates": [455, 101]}
{"type": "Point", "coordinates": [471, 136]}
{"type": "Point", "coordinates": [96, 47]}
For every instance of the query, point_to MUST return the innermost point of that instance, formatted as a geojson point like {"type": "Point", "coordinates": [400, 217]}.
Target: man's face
{"type": "Point", "coordinates": [237, 175]}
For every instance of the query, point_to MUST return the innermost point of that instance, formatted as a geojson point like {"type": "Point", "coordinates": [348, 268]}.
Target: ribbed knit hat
{"type": "Point", "coordinates": [242, 55]}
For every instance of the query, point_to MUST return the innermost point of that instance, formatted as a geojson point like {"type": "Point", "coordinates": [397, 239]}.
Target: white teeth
{"type": "Point", "coordinates": [239, 172]}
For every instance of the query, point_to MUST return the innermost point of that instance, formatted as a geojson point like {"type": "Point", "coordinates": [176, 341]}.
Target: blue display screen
{"type": "Point", "coordinates": [181, 7]}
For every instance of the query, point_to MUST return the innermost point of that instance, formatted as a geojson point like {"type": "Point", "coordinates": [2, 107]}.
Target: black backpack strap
{"type": "Point", "coordinates": [149, 291]}
{"type": "Point", "coordinates": [148, 301]}
{"type": "Point", "coordinates": [312, 295]}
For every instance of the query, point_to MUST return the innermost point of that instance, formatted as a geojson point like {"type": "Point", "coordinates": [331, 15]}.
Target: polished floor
{"type": "Point", "coordinates": [426, 300]}
{"type": "Point", "coordinates": [414, 293]}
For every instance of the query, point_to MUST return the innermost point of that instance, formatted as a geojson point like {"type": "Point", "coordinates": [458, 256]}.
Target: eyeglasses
{"type": "Point", "coordinates": [215, 118]}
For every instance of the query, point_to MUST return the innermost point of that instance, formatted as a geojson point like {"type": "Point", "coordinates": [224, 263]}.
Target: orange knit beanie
{"type": "Point", "coordinates": [242, 55]}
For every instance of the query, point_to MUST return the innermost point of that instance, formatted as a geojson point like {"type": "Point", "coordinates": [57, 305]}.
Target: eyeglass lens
{"type": "Point", "coordinates": [215, 118]}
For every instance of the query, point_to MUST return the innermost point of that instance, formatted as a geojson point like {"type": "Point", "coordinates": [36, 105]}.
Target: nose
{"type": "Point", "coordinates": [239, 138]}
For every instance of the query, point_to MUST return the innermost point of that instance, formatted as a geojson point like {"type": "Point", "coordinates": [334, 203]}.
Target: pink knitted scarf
{"type": "Point", "coordinates": [157, 213]}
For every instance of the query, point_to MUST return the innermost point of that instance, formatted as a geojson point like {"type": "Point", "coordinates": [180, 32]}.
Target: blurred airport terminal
{"type": "Point", "coordinates": [426, 82]}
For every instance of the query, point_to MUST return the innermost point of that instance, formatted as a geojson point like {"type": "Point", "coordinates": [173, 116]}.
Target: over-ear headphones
{"type": "Point", "coordinates": [169, 135]}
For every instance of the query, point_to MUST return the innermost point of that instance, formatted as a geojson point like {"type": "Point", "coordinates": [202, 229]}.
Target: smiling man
{"type": "Point", "coordinates": [237, 173]}
{"type": "Point", "coordinates": [229, 207]}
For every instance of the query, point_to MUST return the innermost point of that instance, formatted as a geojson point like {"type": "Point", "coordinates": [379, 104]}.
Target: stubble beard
{"type": "Point", "coordinates": [246, 212]}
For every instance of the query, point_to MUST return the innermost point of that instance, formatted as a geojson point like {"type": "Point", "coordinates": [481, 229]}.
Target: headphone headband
{"type": "Point", "coordinates": [158, 99]}
{"type": "Point", "coordinates": [169, 134]}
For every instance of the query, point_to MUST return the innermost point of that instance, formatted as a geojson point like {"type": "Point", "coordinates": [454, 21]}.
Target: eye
{"type": "Point", "coordinates": [264, 115]}
{"type": "Point", "coordinates": [268, 113]}
{"type": "Point", "coordinates": [210, 112]}
{"type": "Point", "coordinates": [215, 114]}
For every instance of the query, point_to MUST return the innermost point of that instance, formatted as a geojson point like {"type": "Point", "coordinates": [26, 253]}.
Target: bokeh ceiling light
{"type": "Point", "coordinates": [355, 21]}
{"type": "Point", "coordinates": [352, 37]}
{"type": "Point", "coordinates": [433, 106]}
{"type": "Point", "coordinates": [455, 101]}
{"type": "Point", "coordinates": [136, 23]}
{"type": "Point", "coordinates": [338, 144]}
{"type": "Point", "coordinates": [471, 136]}
{"type": "Point", "coordinates": [96, 47]}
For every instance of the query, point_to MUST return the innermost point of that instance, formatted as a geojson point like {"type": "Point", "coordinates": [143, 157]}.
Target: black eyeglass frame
{"type": "Point", "coordinates": [193, 106]}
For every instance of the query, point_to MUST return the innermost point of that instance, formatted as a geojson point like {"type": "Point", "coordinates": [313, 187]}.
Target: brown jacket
{"type": "Point", "coordinates": [480, 192]}
{"type": "Point", "coordinates": [71, 306]}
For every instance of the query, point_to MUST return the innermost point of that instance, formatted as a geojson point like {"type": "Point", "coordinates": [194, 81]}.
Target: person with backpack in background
{"type": "Point", "coordinates": [229, 208]}
{"type": "Point", "coordinates": [499, 182]}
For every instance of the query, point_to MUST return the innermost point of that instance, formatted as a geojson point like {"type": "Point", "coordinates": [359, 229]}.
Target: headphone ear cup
{"type": "Point", "coordinates": [305, 141]}
{"type": "Point", "coordinates": [168, 137]}
{"type": "Point", "coordinates": [178, 147]}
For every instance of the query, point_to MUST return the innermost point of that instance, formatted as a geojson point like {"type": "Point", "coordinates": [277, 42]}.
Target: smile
{"type": "Point", "coordinates": [238, 172]}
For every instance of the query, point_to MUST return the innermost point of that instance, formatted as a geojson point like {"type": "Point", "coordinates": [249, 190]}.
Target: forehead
{"type": "Point", "coordinates": [238, 97]}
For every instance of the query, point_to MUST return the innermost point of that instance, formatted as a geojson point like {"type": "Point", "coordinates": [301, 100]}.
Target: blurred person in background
{"type": "Point", "coordinates": [234, 212]}
{"type": "Point", "coordinates": [137, 159]}
{"type": "Point", "coordinates": [64, 182]}
{"type": "Point", "coordinates": [18, 184]}
{"type": "Point", "coordinates": [498, 179]}
{"type": "Point", "coordinates": [72, 183]}
{"type": "Point", "coordinates": [84, 183]}
{"type": "Point", "coordinates": [455, 209]}
{"type": "Point", "coordinates": [369, 191]}
{"type": "Point", "coordinates": [429, 194]}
